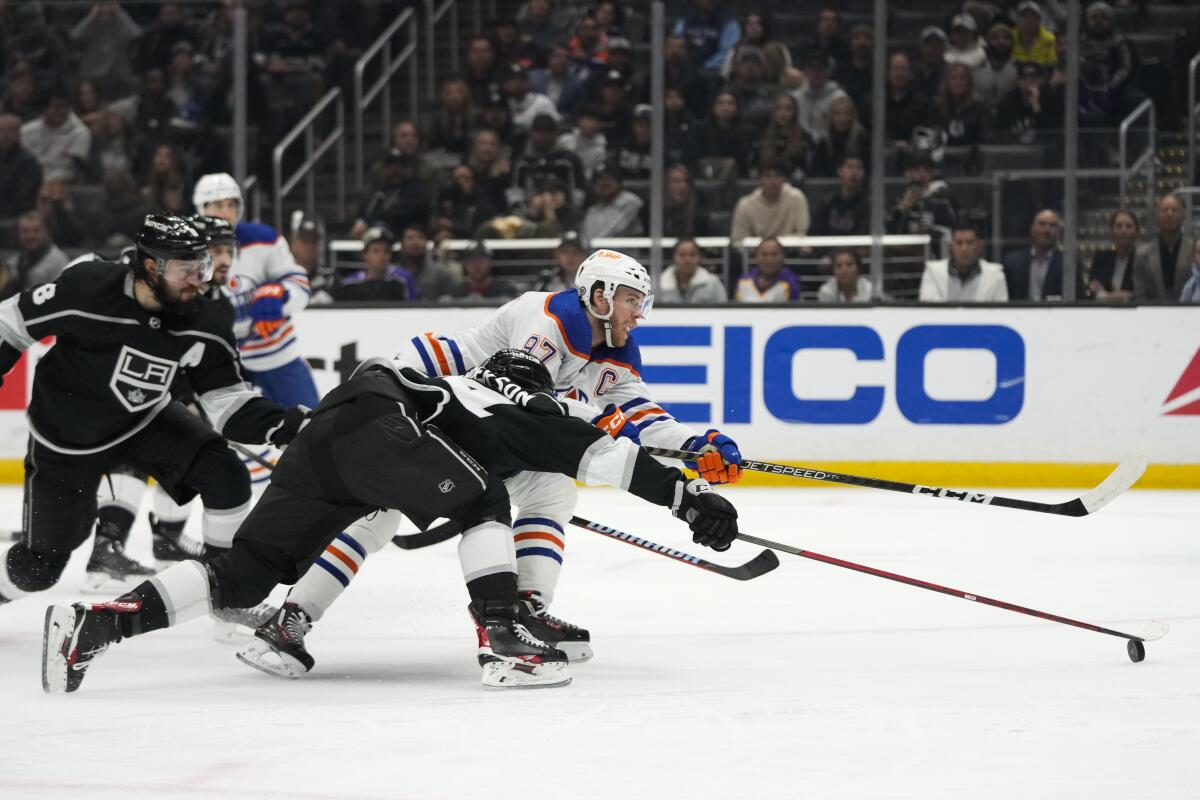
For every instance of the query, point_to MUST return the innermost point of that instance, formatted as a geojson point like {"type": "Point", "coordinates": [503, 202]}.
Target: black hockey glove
{"type": "Point", "coordinates": [712, 518]}
{"type": "Point", "coordinates": [293, 420]}
{"type": "Point", "coordinates": [537, 402]}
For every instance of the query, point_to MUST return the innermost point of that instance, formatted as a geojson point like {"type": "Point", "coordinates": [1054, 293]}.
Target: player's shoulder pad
{"type": "Point", "coordinates": [627, 355]}
{"type": "Point", "coordinates": [252, 233]}
{"type": "Point", "coordinates": [569, 315]}
{"type": "Point", "coordinates": [93, 275]}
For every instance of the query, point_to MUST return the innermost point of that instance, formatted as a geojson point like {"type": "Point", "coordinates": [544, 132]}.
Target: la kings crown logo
{"type": "Point", "coordinates": [140, 381]}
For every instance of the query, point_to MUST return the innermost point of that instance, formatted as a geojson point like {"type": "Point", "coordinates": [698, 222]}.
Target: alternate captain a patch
{"type": "Point", "coordinates": [140, 381]}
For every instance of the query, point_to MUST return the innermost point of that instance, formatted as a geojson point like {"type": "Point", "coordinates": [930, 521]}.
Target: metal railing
{"type": "Point", "coordinates": [313, 151]}
{"type": "Point", "coordinates": [433, 15]}
{"type": "Point", "coordinates": [252, 197]}
{"type": "Point", "coordinates": [388, 68]}
{"type": "Point", "coordinates": [1146, 159]}
{"type": "Point", "coordinates": [1193, 68]}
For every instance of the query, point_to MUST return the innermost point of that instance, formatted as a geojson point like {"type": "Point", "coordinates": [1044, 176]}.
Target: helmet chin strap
{"type": "Point", "coordinates": [608, 333]}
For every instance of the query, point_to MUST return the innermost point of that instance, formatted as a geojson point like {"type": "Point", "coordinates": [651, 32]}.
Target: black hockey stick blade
{"type": "Point", "coordinates": [242, 450]}
{"type": "Point", "coordinates": [1118, 481]}
{"type": "Point", "coordinates": [435, 535]}
{"type": "Point", "coordinates": [761, 564]}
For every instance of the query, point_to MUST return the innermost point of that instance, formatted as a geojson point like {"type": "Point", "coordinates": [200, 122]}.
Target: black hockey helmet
{"type": "Point", "coordinates": [164, 237]}
{"type": "Point", "coordinates": [214, 229]}
{"type": "Point", "coordinates": [521, 368]}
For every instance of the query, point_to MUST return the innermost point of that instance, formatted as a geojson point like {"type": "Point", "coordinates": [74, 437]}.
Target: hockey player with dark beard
{"type": "Point", "coordinates": [393, 438]}
{"type": "Point", "coordinates": [102, 396]}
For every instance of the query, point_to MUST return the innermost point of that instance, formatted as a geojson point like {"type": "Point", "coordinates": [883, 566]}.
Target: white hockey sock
{"type": "Point", "coordinates": [219, 525]}
{"type": "Point", "coordinates": [166, 509]}
{"type": "Point", "coordinates": [124, 491]}
{"type": "Point", "coordinates": [333, 570]}
{"type": "Point", "coordinates": [539, 547]}
{"type": "Point", "coordinates": [184, 591]}
{"type": "Point", "coordinates": [486, 549]}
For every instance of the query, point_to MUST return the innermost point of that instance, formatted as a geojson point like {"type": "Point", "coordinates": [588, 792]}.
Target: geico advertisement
{"type": "Point", "coordinates": [886, 384]}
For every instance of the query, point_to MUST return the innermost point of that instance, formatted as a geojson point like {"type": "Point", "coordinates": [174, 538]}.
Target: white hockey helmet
{"type": "Point", "coordinates": [217, 186]}
{"type": "Point", "coordinates": [612, 270]}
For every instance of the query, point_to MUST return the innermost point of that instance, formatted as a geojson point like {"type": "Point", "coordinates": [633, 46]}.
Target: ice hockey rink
{"type": "Point", "coordinates": [811, 681]}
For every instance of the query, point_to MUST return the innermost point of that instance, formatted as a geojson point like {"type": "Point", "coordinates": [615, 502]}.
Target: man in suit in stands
{"type": "Point", "coordinates": [1036, 272]}
{"type": "Point", "coordinates": [964, 277]}
{"type": "Point", "coordinates": [1161, 267]}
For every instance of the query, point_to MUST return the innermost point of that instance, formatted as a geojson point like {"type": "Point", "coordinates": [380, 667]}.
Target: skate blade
{"type": "Point", "coordinates": [231, 633]}
{"type": "Point", "coordinates": [577, 652]}
{"type": "Point", "coordinates": [263, 657]}
{"type": "Point", "coordinates": [60, 622]}
{"type": "Point", "coordinates": [506, 675]}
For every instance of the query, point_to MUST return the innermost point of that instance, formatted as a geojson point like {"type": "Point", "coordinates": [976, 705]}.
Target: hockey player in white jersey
{"type": "Point", "coordinates": [582, 335]}
{"type": "Point", "coordinates": [268, 289]}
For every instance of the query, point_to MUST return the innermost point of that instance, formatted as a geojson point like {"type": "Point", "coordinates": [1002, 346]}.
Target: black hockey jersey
{"type": "Point", "coordinates": [111, 369]}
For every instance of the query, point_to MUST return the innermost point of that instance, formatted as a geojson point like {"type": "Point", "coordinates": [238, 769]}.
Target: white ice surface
{"type": "Point", "coordinates": [810, 682]}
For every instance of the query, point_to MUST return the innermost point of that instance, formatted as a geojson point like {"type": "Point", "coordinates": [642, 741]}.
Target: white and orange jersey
{"type": "Point", "coordinates": [263, 256]}
{"type": "Point", "coordinates": [555, 328]}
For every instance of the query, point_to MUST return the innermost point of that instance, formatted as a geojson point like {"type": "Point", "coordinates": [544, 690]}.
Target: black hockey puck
{"type": "Point", "coordinates": [1136, 650]}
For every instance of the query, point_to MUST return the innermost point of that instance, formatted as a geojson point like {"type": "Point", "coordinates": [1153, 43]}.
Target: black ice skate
{"type": "Point", "coordinates": [171, 544]}
{"type": "Point", "coordinates": [278, 644]}
{"type": "Point", "coordinates": [110, 568]}
{"type": "Point", "coordinates": [75, 636]}
{"type": "Point", "coordinates": [573, 640]}
{"type": "Point", "coordinates": [237, 625]}
{"type": "Point", "coordinates": [511, 657]}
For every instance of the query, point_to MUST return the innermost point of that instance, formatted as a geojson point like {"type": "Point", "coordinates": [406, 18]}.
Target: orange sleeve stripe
{"type": "Point", "coordinates": [345, 559]}
{"type": "Point", "coordinates": [548, 537]}
{"type": "Point", "coordinates": [279, 336]}
{"type": "Point", "coordinates": [436, 349]}
{"type": "Point", "coordinates": [646, 411]}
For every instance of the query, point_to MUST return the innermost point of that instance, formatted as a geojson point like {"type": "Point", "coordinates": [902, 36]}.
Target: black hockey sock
{"type": "Point", "coordinates": [114, 522]}
{"type": "Point", "coordinates": [499, 587]}
{"type": "Point", "coordinates": [151, 616]}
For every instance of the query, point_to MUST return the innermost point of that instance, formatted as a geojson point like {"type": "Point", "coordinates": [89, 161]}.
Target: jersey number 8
{"type": "Point", "coordinates": [43, 293]}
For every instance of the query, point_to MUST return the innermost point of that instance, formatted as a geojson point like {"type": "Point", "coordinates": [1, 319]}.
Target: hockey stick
{"type": "Point", "coordinates": [412, 541]}
{"type": "Point", "coordinates": [1125, 475]}
{"type": "Point", "coordinates": [761, 564]}
{"type": "Point", "coordinates": [1135, 644]}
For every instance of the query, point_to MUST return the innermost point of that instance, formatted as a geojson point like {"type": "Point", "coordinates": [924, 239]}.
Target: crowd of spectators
{"type": "Point", "coordinates": [546, 132]}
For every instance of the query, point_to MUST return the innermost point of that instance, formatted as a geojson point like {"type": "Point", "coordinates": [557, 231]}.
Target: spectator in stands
{"type": "Point", "coordinates": [1111, 277]}
{"type": "Point", "coordinates": [926, 203]}
{"type": "Point", "coordinates": [561, 79]}
{"type": "Point", "coordinates": [463, 204]}
{"type": "Point", "coordinates": [295, 48]}
{"type": "Point", "coordinates": [480, 283]}
{"type": "Point", "coordinates": [164, 186]}
{"type": "Point", "coordinates": [147, 114]}
{"type": "Point", "coordinates": [818, 94]}
{"type": "Point", "coordinates": [523, 104]}
{"type": "Point", "coordinates": [786, 137]}
{"type": "Point", "coordinates": [844, 137]}
{"type": "Point", "coordinates": [722, 135]}
{"type": "Point", "coordinates": [509, 47]}
{"type": "Point", "coordinates": [169, 28]}
{"type": "Point", "coordinates": [769, 281]}
{"type": "Point", "coordinates": [613, 106]}
{"type": "Point", "coordinates": [20, 97]}
{"type": "Point", "coordinates": [539, 25]}
{"type": "Point", "coordinates": [567, 257]}
{"type": "Point", "coordinates": [997, 76]}
{"type": "Point", "coordinates": [488, 159]}
{"type": "Point", "coordinates": [679, 129]}
{"type": "Point", "coordinates": [847, 213]}
{"type": "Point", "coordinates": [1161, 267]}
{"type": "Point", "coordinates": [775, 208]}
{"type": "Point", "coordinates": [906, 107]}
{"type": "Point", "coordinates": [379, 280]}
{"type": "Point", "coordinates": [615, 211]}
{"type": "Point", "coordinates": [1191, 287]}
{"type": "Point", "coordinates": [847, 285]}
{"type": "Point", "coordinates": [401, 197]}
{"type": "Point", "coordinates": [450, 132]}
{"type": "Point", "coordinates": [58, 139]}
{"type": "Point", "coordinates": [37, 260]}
{"type": "Point", "coordinates": [756, 32]}
{"type": "Point", "coordinates": [496, 115]}
{"type": "Point", "coordinates": [59, 215]}
{"type": "Point", "coordinates": [587, 141]}
{"type": "Point", "coordinates": [620, 59]}
{"type": "Point", "coordinates": [307, 236]}
{"type": "Point", "coordinates": [406, 140]}
{"type": "Point", "coordinates": [1110, 59]}
{"type": "Point", "coordinates": [20, 172]}
{"type": "Point", "coordinates": [37, 44]}
{"type": "Point", "coordinates": [104, 41]}
{"type": "Point", "coordinates": [87, 105]}
{"type": "Point", "coordinates": [685, 212]}
{"type": "Point", "coordinates": [965, 45]}
{"type": "Point", "coordinates": [542, 160]}
{"type": "Point", "coordinates": [964, 277]}
{"type": "Point", "coordinates": [183, 87]}
{"type": "Point", "coordinates": [632, 154]}
{"type": "Point", "coordinates": [1031, 40]}
{"type": "Point", "coordinates": [711, 33]}
{"type": "Point", "coordinates": [123, 210]}
{"type": "Point", "coordinates": [1031, 107]}
{"type": "Point", "coordinates": [550, 211]}
{"type": "Point", "coordinates": [686, 280]}
{"type": "Point", "coordinates": [480, 70]}
{"type": "Point", "coordinates": [609, 17]}
{"type": "Point", "coordinates": [854, 73]}
{"type": "Point", "coordinates": [438, 276]}
{"type": "Point", "coordinates": [828, 37]}
{"type": "Point", "coordinates": [960, 114]}
{"type": "Point", "coordinates": [931, 65]}
{"type": "Point", "coordinates": [754, 95]}
{"type": "Point", "coordinates": [679, 74]}
{"type": "Point", "coordinates": [589, 45]}
{"type": "Point", "coordinates": [1035, 272]}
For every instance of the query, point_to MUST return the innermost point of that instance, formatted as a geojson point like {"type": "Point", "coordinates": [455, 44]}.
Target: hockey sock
{"type": "Point", "coordinates": [220, 524]}
{"type": "Point", "coordinates": [539, 545]}
{"type": "Point", "coordinates": [333, 570]}
{"type": "Point", "coordinates": [499, 587]}
{"type": "Point", "coordinates": [114, 522]}
{"type": "Point", "coordinates": [120, 496]}
{"type": "Point", "coordinates": [174, 595]}
{"type": "Point", "coordinates": [167, 510]}
{"type": "Point", "coordinates": [488, 561]}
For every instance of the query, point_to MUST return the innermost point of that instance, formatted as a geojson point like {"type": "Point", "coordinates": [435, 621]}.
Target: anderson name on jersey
{"type": "Point", "coordinates": [111, 371]}
{"type": "Point", "coordinates": [263, 256]}
{"type": "Point", "coordinates": [554, 327]}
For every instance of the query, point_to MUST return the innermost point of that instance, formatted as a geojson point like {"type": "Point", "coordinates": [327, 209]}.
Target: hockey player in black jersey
{"type": "Point", "coordinates": [101, 396]}
{"type": "Point", "coordinates": [428, 447]}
